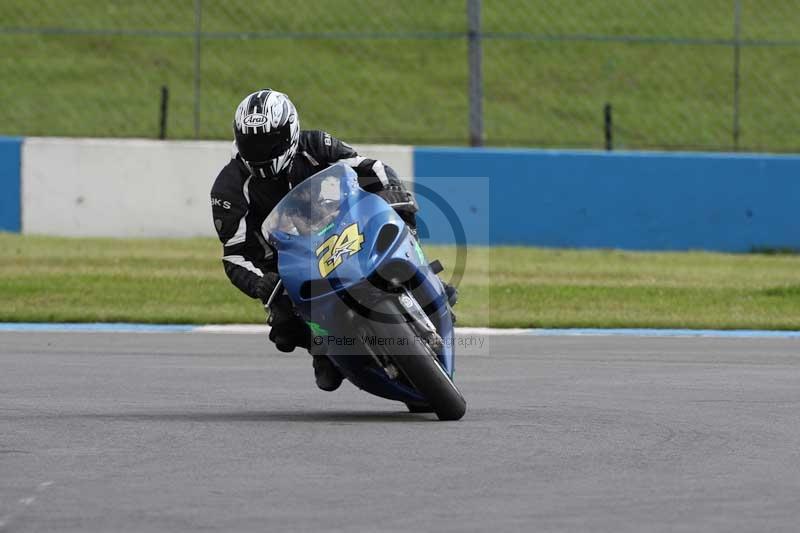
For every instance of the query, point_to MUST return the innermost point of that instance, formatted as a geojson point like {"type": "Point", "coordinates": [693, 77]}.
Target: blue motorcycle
{"type": "Point", "coordinates": [358, 277]}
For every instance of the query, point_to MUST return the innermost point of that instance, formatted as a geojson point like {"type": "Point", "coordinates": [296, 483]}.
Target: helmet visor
{"type": "Point", "coordinates": [261, 148]}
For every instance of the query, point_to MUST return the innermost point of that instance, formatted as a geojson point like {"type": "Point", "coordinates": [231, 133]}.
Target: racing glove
{"type": "Point", "coordinates": [266, 286]}
{"type": "Point", "coordinates": [402, 202]}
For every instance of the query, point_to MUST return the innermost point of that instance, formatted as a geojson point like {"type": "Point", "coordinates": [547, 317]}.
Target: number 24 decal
{"type": "Point", "coordinates": [332, 252]}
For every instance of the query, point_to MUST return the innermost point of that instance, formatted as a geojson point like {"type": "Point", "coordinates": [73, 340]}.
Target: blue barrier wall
{"type": "Point", "coordinates": [629, 200]}
{"type": "Point", "coordinates": [10, 149]}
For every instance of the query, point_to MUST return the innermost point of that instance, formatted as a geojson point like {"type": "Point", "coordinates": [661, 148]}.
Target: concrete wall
{"type": "Point", "coordinates": [642, 201]}
{"type": "Point", "coordinates": [131, 188]}
{"type": "Point", "coordinates": [111, 188]}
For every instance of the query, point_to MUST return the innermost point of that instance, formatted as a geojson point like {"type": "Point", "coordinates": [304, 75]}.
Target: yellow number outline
{"type": "Point", "coordinates": [331, 252]}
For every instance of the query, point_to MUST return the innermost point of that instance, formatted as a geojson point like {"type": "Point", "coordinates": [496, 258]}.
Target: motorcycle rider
{"type": "Point", "coordinates": [270, 156]}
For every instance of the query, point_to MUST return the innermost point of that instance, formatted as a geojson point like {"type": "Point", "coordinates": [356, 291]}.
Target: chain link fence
{"type": "Point", "coordinates": [672, 74]}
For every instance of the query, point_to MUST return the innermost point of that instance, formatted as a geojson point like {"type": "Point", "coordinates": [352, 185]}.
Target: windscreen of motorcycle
{"type": "Point", "coordinates": [307, 208]}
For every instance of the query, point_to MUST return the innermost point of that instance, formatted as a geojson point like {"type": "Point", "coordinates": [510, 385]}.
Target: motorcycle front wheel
{"type": "Point", "coordinates": [418, 362]}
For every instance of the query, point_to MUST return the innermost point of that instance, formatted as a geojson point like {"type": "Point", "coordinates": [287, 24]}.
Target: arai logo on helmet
{"type": "Point", "coordinates": [255, 120]}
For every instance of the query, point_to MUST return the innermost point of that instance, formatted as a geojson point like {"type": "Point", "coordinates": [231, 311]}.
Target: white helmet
{"type": "Point", "coordinates": [267, 129]}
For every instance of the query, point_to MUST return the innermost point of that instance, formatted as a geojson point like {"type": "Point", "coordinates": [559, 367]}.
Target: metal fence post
{"type": "Point", "coordinates": [475, 73]}
{"type": "Point", "coordinates": [198, 28]}
{"type": "Point", "coordinates": [162, 116]}
{"type": "Point", "coordinates": [737, 37]}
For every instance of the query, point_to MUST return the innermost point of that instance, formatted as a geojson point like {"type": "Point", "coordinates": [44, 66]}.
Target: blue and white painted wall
{"type": "Point", "coordinates": [630, 200]}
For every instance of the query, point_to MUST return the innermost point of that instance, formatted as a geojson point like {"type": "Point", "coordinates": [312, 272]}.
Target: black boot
{"type": "Point", "coordinates": [288, 330]}
{"type": "Point", "coordinates": [288, 334]}
{"type": "Point", "coordinates": [325, 372]}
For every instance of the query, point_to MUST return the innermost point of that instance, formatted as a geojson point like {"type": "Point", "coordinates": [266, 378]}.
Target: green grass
{"type": "Point", "coordinates": [181, 281]}
{"type": "Point", "coordinates": [413, 90]}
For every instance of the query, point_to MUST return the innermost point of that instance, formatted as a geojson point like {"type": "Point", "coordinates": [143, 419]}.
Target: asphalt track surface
{"type": "Point", "coordinates": [193, 432]}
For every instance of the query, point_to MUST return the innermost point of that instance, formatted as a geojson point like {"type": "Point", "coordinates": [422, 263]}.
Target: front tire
{"type": "Point", "coordinates": [421, 366]}
{"type": "Point", "coordinates": [419, 408]}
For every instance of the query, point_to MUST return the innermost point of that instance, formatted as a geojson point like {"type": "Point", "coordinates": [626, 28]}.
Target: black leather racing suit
{"type": "Point", "coordinates": [240, 202]}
